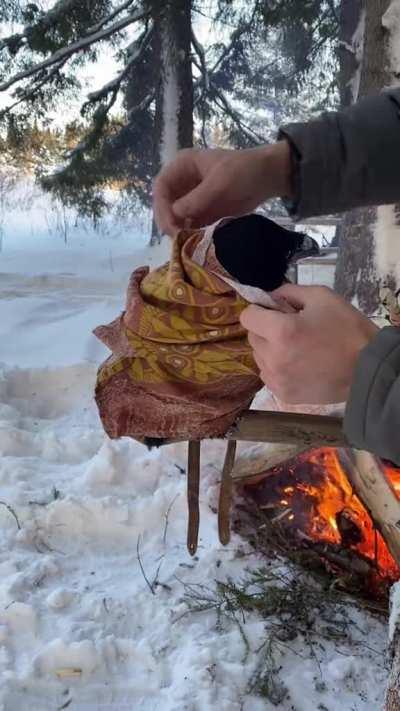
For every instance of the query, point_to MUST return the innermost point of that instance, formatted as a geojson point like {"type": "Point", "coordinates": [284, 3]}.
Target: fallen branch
{"type": "Point", "coordinates": [12, 512]}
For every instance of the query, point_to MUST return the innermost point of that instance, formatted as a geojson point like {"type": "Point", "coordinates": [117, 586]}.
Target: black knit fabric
{"type": "Point", "coordinates": [256, 251]}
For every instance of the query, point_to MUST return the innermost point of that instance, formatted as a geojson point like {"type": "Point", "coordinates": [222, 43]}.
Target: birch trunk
{"type": "Point", "coordinates": [369, 243]}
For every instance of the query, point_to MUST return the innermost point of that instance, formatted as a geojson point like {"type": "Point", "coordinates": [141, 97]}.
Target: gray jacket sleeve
{"type": "Point", "coordinates": [340, 161]}
{"type": "Point", "coordinates": [372, 419]}
{"type": "Point", "coordinates": [347, 159]}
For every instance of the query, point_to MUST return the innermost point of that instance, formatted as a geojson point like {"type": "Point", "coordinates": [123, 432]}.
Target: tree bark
{"type": "Point", "coordinates": [368, 237]}
{"type": "Point", "coordinates": [351, 36]}
{"type": "Point", "coordinates": [173, 122]}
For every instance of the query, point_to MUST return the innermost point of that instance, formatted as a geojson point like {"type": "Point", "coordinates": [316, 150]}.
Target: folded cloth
{"type": "Point", "coordinates": [181, 365]}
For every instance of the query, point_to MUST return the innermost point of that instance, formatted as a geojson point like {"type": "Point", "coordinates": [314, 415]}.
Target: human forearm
{"type": "Point", "coordinates": [347, 159]}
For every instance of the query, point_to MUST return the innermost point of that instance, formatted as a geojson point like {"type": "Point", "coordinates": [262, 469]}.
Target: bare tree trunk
{"type": "Point", "coordinates": [368, 240]}
{"type": "Point", "coordinates": [174, 95]}
{"type": "Point", "coordinates": [351, 45]}
{"type": "Point", "coordinates": [351, 40]}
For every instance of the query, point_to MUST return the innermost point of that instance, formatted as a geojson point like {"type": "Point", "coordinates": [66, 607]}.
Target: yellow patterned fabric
{"type": "Point", "coordinates": [181, 363]}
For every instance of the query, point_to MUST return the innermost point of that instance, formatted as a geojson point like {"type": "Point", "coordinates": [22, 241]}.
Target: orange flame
{"type": "Point", "coordinates": [325, 508]}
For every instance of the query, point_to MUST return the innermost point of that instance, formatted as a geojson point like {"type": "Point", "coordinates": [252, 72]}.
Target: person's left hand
{"type": "Point", "coordinates": [308, 356]}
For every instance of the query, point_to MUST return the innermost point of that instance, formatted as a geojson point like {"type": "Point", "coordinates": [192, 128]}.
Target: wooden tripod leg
{"type": "Point", "coordinates": [225, 495]}
{"type": "Point", "coordinates": [193, 485]}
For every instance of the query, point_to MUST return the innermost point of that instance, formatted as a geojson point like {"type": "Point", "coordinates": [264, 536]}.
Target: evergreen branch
{"type": "Point", "coordinates": [331, 5]}
{"type": "Point", "coordinates": [75, 47]}
{"type": "Point", "coordinates": [111, 16]}
{"type": "Point", "coordinates": [135, 52]}
{"type": "Point", "coordinates": [202, 66]}
{"type": "Point", "coordinates": [199, 49]}
{"type": "Point", "coordinates": [237, 119]}
{"type": "Point", "coordinates": [47, 20]}
{"type": "Point", "coordinates": [50, 19]}
{"type": "Point", "coordinates": [246, 27]}
{"type": "Point", "coordinates": [31, 93]}
{"type": "Point", "coordinates": [142, 105]}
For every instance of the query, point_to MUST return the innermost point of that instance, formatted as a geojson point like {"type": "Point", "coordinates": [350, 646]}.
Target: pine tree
{"type": "Point", "coordinates": [174, 91]}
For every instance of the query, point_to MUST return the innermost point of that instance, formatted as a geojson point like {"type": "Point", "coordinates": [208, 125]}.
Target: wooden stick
{"type": "Point", "coordinates": [260, 458]}
{"type": "Point", "coordinates": [193, 485]}
{"type": "Point", "coordinates": [376, 492]}
{"type": "Point", "coordinates": [285, 428]}
{"type": "Point", "coordinates": [289, 428]}
{"type": "Point", "coordinates": [225, 495]}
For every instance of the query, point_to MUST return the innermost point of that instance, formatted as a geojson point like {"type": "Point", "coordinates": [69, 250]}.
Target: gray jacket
{"type": "Point", "coordinates": [340, 161]}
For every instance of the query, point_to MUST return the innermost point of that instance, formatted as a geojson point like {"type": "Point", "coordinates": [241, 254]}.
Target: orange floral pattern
{"type": "Point", "coordinates": [179, 347]}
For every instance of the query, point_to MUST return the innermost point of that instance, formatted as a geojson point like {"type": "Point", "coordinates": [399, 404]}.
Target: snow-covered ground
{"type": "Point", "coordinates": [79, 626]}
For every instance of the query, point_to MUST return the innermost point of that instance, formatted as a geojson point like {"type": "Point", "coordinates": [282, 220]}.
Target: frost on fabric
{"type": "Point", "coordinates": [391, 22]}
{"type": "Point", "coordinates": [387, 244]}
{"type": "Point", "coordinates": [171, 102]}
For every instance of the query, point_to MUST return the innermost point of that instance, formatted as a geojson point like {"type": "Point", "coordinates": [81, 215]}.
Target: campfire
{"type": "Point", "coordinates": [313, 502]}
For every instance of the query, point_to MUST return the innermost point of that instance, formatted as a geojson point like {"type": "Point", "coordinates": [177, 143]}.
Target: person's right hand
{"type": "Point", "coordinates": [202, 186]}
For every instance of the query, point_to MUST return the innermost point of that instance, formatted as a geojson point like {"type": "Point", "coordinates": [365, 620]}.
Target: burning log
{"type": "Point", "coordinates": [373, 488]}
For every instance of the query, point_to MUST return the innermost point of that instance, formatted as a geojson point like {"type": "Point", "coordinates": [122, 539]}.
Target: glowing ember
{"type": "Point", "coordinates": [316, 493]}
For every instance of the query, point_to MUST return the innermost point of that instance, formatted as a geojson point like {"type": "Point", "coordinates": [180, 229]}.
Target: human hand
{"type": "Point", "coordinates": [308, 356]}
{"type": "Point", "coordinates": [202, 186]}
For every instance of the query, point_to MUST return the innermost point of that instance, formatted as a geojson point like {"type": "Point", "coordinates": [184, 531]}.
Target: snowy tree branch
{"type": "Point", "coordinates": [124, 6]}
{"type": "Point", "coordinates": [75, 47]}
{"type": "Point", "coordinates": [331, 5]}
{"type": "Point", "coordinates": [50, 18]}
{"type": "Point", "coordinates": [234, 38]}
{"type": "Point", "coordinates": [135, 53]}
{"type": "Point", "coordinates": [47, 20]}
{"type": "Point", "coordinates": [31, 93]}
{"type": "Point", "coordinates": [237, 119]}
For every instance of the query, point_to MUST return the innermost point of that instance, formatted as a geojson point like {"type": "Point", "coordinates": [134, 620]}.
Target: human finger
{"type": "Point", "coordinates": [173, 181]}
{"type": "Point", "coordinates": [269, 324]}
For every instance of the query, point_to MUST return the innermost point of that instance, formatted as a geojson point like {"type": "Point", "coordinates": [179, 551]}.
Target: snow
{"type": "Point", "coordinates": [79, 626]}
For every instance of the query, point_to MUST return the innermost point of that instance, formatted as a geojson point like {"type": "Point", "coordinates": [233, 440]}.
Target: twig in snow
{"type": "Point", "coordinates": [167, 513]}
{"type": "Point", "coordinates": [65, 706]}
{"type": "Point", "coordinates": [12, 512]}
{"type": "Point", "coordinates": [150, 586]}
